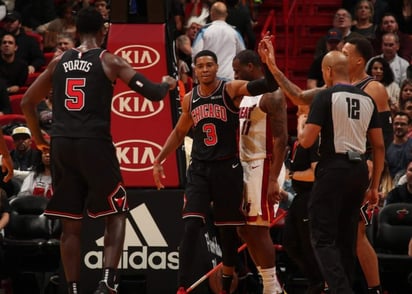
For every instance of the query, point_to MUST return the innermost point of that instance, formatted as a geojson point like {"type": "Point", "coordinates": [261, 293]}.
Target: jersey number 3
{"type": "Point", "coordinates": [74, 94]}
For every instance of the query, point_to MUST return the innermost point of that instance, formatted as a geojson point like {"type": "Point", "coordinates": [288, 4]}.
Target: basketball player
{"type": "Point", "coordinates": [263, 139]}
{"type": "Point", "coordinates": [215, 173]}
{"type": "Point", "coordinates": [85, 169]}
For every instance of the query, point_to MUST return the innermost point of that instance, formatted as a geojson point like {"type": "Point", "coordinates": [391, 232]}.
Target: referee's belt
{"type": "Point", "coordinates": [352, 156]}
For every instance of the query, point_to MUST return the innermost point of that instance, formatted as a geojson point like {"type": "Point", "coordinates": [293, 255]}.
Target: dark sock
{"type": "Point", "coordinates": [226, 283]}
{"type": "Point", "coordinates": [375, 290]}
{"type": "Point", "coordinates": [73, 287]}
{"type": "Point", "coordinates": [109, 275]}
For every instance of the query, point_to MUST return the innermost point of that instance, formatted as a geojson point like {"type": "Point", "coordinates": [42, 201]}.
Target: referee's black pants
{"type": "Point", "coordinates": [334, 205]}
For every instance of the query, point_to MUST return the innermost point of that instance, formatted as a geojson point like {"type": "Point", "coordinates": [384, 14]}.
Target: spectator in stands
{"type": "Point", "coordinates": [64, 43]}
{"type": "Point", "coordinates": [45, 113]}
{"type": "Point", "coordinates": [240, 18]}
{"type": "Point", "coordinates": [363, 19]}
{"type": "Point", "coordinates": [197, 8]}
{"type": "Point", "coordinates": [390, 47]}
{"type": "Point", "coordinates": [103, 7]}
{"type": "Point", "coordinates": [342, 20]}
{"type": "Point", "coordinates": [214, 35]}
{"type": "Point", "coordinates": [402, 9]}
{"type": "Point", "coordinates": [35, 13]}
{"type": "Point", "coordinates": [405, 92]}
{"type": "Point", "coordinates": [39, 181]}
{"type": "Point", "coordinates": [333, 42]}
{"type": "Point", "coordinates": [25, 158]}
{"type": "Point", "coordinates": [399, 152]}
{"type": "Point", "coordinates": [176, 18]}
{"type": "Point", "coordinates": [184, 61]}
{"type": "Point", "coordinates": [379, 7]}
{"type": "Point", "coordinates": [28, 48]}
{"type": "Point", "coordinates": [403, 192]}
{"type": "Point", "coordinates": [382, 72]}
{"type": "Point", "coordinates": [13, 70]}
{"type": "Point", "coordinates": [194, 24]}
{"type": "Point", "coordinates": [5, 107]}
{"type": "Point", "coordinates": [64, 23]}
{"type": "Point", "coordinates": [389, 24]}
{"type": "Point", "coordinates": [409, 72]}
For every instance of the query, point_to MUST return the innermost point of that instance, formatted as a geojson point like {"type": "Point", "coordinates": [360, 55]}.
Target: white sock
{"type": "Point", "coordinates": [270, 281]}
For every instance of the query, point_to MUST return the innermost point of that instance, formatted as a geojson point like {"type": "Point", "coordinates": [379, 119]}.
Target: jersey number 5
{"type": "Point", "coordinates": [75, 94]}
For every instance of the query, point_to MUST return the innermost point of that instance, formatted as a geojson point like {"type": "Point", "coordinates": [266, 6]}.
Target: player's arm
{"type": "Point", "coordinates": [274, 105]}
{"type": "Point", "coordinates": [37, 91]}
{"type": "Point", "coordinates": [375, 138]}
{"type": "Point", "coordinates": [309, 135]}
{"type": "Point", "coordinates": [292, 91]}
{"type": "Point", "coordinates": [174, 140]}
{"type": "Point", "coordinates": [236, 89]}
{"type": "Point", "coordinates": [379, 94]}
{"type": "Point", "coordinates": [116, 67]}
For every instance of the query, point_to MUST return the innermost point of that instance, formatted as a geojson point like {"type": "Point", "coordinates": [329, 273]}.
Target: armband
{"type": "Point", "coordinates": [261, 86]}
{"type": "Point", "coordinates": [150, 90]}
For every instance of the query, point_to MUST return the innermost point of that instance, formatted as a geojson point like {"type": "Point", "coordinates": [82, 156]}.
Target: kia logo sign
{"type": "Point", "coordinates": [129, 104]}
{"type": "Point", "coordinates": [139, 56]}
{"type": "Point", "coordinates": [136, 155]}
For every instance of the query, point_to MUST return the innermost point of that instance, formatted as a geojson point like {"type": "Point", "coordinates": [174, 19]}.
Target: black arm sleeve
{"type": "Point", "coordinates": [261, 86]}
{"type": "Point", "coordinates": [150, 90]}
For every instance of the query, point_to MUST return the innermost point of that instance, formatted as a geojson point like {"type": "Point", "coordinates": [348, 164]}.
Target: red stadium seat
{"type": "Point", "coordinates": [7, 119]}
{"type": "Point", "coordinates": [15, 101]}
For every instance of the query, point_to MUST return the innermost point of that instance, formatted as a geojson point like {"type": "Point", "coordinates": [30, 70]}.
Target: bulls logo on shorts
{"type": "Point", "coordinates": [119, 199]}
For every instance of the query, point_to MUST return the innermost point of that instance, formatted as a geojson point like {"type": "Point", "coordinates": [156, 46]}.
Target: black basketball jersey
{"type": "Point", "coordinates": [216, 123]}
{"type": "Point", "coordinates": [385, 117]}
{"type": "Point", "coordinates": [82, 96]}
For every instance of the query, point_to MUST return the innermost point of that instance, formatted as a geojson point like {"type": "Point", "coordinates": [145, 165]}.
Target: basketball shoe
{"type": "Point", "coordinates": [104, 288]}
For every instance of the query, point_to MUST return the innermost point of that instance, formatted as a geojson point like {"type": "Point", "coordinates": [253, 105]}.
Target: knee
{"type": "Point", "coordinates": [243, 233]}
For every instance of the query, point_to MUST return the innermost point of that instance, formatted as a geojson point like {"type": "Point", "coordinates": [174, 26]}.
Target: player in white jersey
{"type": "Point", "coordinates": [263, 139]}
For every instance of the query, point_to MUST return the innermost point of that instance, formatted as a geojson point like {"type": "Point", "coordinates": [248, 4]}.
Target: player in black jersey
{"type": "Point", "coordinates": [82, 79]}
{"type": "Point", "coordinates": [215, 173]}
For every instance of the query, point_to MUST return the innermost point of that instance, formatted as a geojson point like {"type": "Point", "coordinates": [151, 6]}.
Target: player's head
{"type": "Point", "coordinates": [205, 65]}
{"type": "Point", "coordinates": [89, 21]}
{"type": "Point", "coordinates": [246, 65]}
{"type": "Point", "coordinates": [362, 47]}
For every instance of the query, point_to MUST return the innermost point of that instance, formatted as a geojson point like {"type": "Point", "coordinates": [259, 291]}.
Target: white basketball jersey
{"type": "Point", "coordinates": [255, 135]}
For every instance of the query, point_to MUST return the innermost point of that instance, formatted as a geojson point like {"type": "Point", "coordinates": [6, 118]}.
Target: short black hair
{"type": "Point", "coordinates": [363, 46]}
{"type": "Point", "coordinates": [248, 56]}
{"type": "Point", "coordinates": [205, 53]}
{"type": "Point", "coordinates": [89, 21]}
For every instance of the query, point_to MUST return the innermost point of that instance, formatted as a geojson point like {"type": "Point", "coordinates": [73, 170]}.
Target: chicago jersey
{"type": "Point", "coordinates": [76, 114]}
{"type": "Point", "coordinates": [216, 123]}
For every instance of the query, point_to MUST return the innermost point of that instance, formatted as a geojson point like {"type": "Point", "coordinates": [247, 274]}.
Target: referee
{"type": "Point", "coordinates": [344, 117]}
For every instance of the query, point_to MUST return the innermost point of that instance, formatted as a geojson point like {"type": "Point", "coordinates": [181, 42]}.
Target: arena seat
{"type": "Point", "coordinates": [391, 244]}
{"type": "Point", "coordinates": [31, 240]}
{"type": "Point", "coordinates": [15, 101]}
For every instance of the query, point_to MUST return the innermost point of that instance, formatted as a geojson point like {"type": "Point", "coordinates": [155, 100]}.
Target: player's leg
{"type": "Point", "coordinates": [229, 241]}
{"type": "Point", "coordinates": [70, 250]}
{"type": "Point", "coordinates": [368, 260]}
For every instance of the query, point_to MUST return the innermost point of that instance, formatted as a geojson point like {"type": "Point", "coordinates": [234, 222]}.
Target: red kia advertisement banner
{"type": "Point", "coordinates": [140, 126]}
